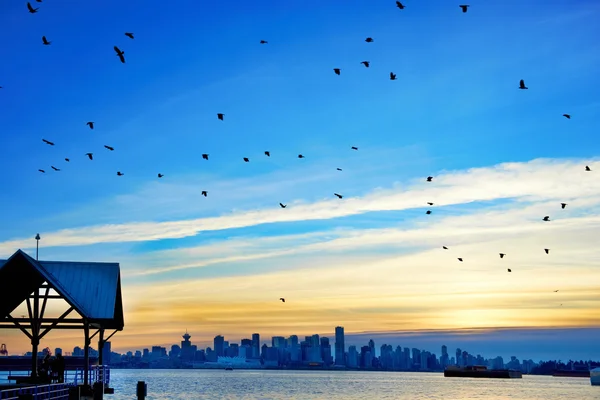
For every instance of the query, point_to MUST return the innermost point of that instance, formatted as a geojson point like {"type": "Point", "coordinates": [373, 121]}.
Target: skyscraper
{"type": "Point", "coordinates": [340, 348]}
{"type": "Point", "coordinates": [255, 345]}
{"type": "Point", "coordinates": [219, 345]}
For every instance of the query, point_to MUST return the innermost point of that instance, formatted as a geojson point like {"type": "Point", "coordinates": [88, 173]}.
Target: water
{"type": "Point", "coordinates": [342, 385]}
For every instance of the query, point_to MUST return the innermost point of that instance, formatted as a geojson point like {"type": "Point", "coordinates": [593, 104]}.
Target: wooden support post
{"type": "Point", "coordinates": [86, 353]}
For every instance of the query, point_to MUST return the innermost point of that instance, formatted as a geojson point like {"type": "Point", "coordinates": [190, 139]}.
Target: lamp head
{"type": "Point", "coordinates": [37, 237]}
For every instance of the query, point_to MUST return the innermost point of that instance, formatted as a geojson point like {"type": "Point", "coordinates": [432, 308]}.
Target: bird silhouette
{"type": "Point", "coordinates": [522, 85]}
{"type": "Point", "coordinates": [31, 9]}
{"type": "Point", "coordinates": [509, 270]}
{"type": "Point", "coordinates": [67, 160]}
{"type": "Point", "coordinates": [502, 255]}
{"type": "Point", "coordinates": [204, 193]}
{"type": "Point", "coordinates": [399, 5]}
{"type": "Point", "coordinates": [90, 155]}
{"type": "Point", "coordinates": [556, 290]}
{"type": "Point", "coordinates": [429, 203]}
{"type": "Point", "coordinates": [263, 42]}
{"type": "Point", "coordinates": [39, 1]}
{"type": "Point", "coordinates": [129, 34]}
{"type": "Point", "coordinates": [282, 205]}
{"type": "Point", "coordinates": [90, 124]}
{"type": "Point", "coordinates": [120, 53]}
{"type": "Point", "coordinates": [366, 63]}
{"type": "Point", "coordinates": [392, 76]}
{"type": "Point", "coordinates": [546, 218]}
{"type": "Point", "coordinates": [54, 168]}
{"type": "Point", "coordinates": [444, 247]}
{"type": "Point", "coordinates": [429, 178]}
{"type": "Point", "coordinates": [301, 156]}
{"type": "Point", "coordinates": [587, 168]}
{"type": "Point", "coordinates": [567, 116]}
{"type": "Point", "coordinates": [547, 251]}
{"type": "Point", "coordinates": [369, 40]}
{"type": "Point", "coordinates": [339, 169]}
{"type": "Point", "coordinates": [246, 159]}
{"type": "Point", "coordinates": [109, 148]}
{"type": "Point", "coordinates": [268, 153]}
{"type": "Point", "coordinates": [464, 7]}
{"type": "Point", "coordinates": [338, 195]}
{"type": "Point", "coordinates": [354, 148]}
{"type": "Point", "coordinates": [42, 171]}
{"type": "Point", "coordinates": [205, 156]}
{"type": "Point", "coordinates": [460, 259]}
{"type": "Point", "coordinates": [428, 212]}
{"type": "Point", "coordinates": [119, 173]}
{"type": "Point", "coordinates": [160, 175]}
{"type": "Point", "coordinates": [563, 205]}
{"type": "Point", "coordinates": [220, 116]}
{"type": "Point", "coordinates": [337, 71]}
{"type": "Point", "coordinates": [45, 41]}
{"type": "Point", "coordinates": [48, 142]}
{"type": "Point", "coordinates": [282, 299]}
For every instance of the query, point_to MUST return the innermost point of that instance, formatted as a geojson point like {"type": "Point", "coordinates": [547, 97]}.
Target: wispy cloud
{"type": "Point", "coordinates": [531, 181]}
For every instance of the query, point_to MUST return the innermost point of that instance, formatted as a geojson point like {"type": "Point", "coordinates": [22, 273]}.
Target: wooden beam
{"type": "Point", "coordinates": [44, 303]}
{"type": "Point", "coordinates": [46, 327]}
{"type": "Point", "coordinates": [111, 335]}
{"type": "Point", "coordinates": [54, 296]}
{"type": "Point", "coordinates": [17, 325]}
{"type": "Point", "coordinates": [49, 320]}
{"type": "Point", "coordinates": [55, 323]}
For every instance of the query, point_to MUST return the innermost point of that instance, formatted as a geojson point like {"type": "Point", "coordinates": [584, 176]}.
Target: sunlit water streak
{"type": "Point", "coordinates": [309, 385]}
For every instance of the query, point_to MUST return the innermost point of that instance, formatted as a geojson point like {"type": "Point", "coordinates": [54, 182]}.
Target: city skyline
{"type": "Point", "coordinates": [373, 261]}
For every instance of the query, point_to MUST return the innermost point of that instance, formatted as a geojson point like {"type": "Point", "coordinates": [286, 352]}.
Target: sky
{"type": "Point", "coordinates": [501, 159]}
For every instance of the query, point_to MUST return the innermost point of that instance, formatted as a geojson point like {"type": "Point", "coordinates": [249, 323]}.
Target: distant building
{"type": "Point", "coordinates": [255, 345]}
{"type": "Point", "coordinates": [187, 351]}
{"type": "Point", "coordinates": [219, 345]}
{"type": "Point", "coordinates": [340, 348]}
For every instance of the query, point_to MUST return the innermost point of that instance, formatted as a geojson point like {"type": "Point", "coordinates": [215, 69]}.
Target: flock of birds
{"type": "Point", "coordinates": [221, 117]}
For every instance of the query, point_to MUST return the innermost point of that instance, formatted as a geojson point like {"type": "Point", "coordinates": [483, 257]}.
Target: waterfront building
{"type": "Point", "coordinates": [340, 349]}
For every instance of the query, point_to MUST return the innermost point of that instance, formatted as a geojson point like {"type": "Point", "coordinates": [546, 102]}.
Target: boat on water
{"type": "Point", "coordinates": [480, 371]}
{"type": "Point", "coordinates": [595, 377]}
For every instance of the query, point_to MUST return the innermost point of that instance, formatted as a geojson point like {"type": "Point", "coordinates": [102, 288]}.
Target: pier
{"type": "Point", "coordinates": [91, 294]}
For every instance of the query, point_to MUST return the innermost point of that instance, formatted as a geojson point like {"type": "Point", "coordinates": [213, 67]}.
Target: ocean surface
{"type": "Point", "coordinates": [309, 385]}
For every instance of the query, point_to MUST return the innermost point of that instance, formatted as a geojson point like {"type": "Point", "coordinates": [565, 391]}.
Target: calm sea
{"type": "Point", "coordinates": [308, 385]}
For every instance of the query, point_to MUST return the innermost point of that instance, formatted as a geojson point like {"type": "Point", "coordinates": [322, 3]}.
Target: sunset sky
{"type": "Point", "coordinates": [501, 158]}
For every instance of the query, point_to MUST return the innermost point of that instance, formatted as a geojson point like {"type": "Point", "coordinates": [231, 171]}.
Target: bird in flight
{"type": "Point", "coordinates": [67, 160]}
{"type": "Point", "coordinates": [268, 153]}
{"type": "Point", "coordinates": [45, 41]}
{"type": "Point", "coordinates": [282, 299]}
{"type": "Point", "coordinates": [430, 203]}
{"type": "Point", "coordinates": [220, 116]}
{"type": "Point", "coordinates": [90, 124]}
{"type": "Point", "coordinates": [556, 290]}
{"type": "Point", "coordinates": [246, 159]}
{"type": "Point", "coordinates": [547, 251]}
{"type": "Point", "coordinates": [365, 63]}
{"type": "Point", "coordinates": [90, 155]}
{"type": "Point", "coordinates": [563, 205]}
{"type": "Point", "coordinates": [429, 178]}
{"type": "Point", "coordinates": [339, 169]}
{"type": "Point", "coordinates": [120, 53]}
{"type": "Point", "coordinates": [444, 247]}
{"type": "Point", "coordinates": [522, 85]}
{"type": "Point", "coordinates": [509, 270]}
{"type": "Point", "coordinates": [42, 171]}
{"type": "Point", "coordinates": [205, 156]}
{"type": "Point", "coordinates": [119, 173]}
{"type": "Point", "coordinates": [369, 40]}
{"type": "Point", "coordinates": [399, 5]}
{"type": "Point", "coordinates": [282, 205]}
{"type": "Point", "coordinates": [464, 7]}
{"type": "Point", "coordinates": [54, 168]}
{"type": "Point", "coordinates": [428, 212]}
{"type": "Point", "coordinates": [301, 156]}
{"type": "Point", "coordinates": [337, 71]}
{"type": "Point", "coordinates": [392, 76]}
{"type": "Point", "coordinates": [460, 259]}
{"type": "Point", "coordinates": [567, 116]}
{"type": "Point", "coordinates": [502, 255]}
{"type": "Point", "coordinates": [109, 148]}
{"type": "Point", "coordinates": [263, 42]}
{"type": "Point", "coordinates": [31, 9]}
{"type": "Point", "coordinates": [338, 195]}
{"type": "Point", "coordinates": [587, 168]}
{"type": "Point", "coordinates": [354, 148]}
{"type": "Point", "coordinates": [48, 142]}
{"type": "Point", "coordinates": [546, 218]}
{"type": "Point", "coordinates": [160, 175]}
{"type": "Point", "coordinates": [129, 34]}
{"type": "Point", "coordinates": [204, 193]}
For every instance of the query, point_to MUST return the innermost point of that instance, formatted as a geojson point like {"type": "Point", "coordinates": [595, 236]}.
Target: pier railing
{"type": "Point", "coordinates": [56, 391]}
{"type": "Point", "coordinates": [96, 373]}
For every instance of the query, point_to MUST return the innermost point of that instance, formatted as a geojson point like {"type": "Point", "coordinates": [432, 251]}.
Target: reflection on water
{"type": "Point", "coordinates": [308, 385]}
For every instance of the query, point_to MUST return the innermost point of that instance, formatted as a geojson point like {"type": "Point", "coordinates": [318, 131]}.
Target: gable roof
{"type": "Point", "coordinates": [93, 289]}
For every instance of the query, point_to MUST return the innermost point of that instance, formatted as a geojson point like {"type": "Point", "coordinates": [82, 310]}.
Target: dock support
{"type": "Point", "coordinates": [142, 390]}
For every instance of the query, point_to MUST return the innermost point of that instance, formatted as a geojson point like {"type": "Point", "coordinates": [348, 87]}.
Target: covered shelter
{"type": "Point", "coordinates": [90, 289]}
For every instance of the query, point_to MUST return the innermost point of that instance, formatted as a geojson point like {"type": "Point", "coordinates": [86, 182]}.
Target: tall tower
{"type": "Point", "coordinates": [255, 345]}
{"type": "Point", "coordinates": [186, 347]}
{"type": "Point", "coordinates": [340, 348]}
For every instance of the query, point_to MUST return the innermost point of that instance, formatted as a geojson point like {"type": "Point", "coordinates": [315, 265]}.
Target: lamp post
{"type": "Point", "coordinates": [37, 245]}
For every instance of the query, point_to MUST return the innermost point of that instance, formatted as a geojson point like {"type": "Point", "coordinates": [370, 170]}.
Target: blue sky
{"type": "Point", "coordinates": [454, 112]}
